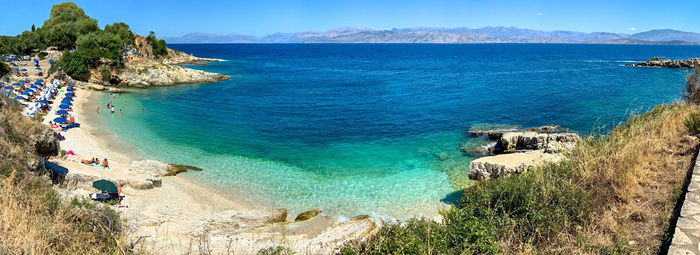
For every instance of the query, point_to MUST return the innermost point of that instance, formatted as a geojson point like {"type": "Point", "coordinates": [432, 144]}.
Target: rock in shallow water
{"type": "Point", "coordinates": [507, 164]}
{"type": "Point", "coordinates": [307, 215]}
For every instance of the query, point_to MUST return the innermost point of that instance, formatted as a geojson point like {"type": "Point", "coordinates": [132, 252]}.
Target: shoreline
{"type": "Point", "coordinates": [173, 216]}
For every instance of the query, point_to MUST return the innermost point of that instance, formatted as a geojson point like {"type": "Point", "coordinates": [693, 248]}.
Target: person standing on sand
{"type": "Point", "coordinates": [98, 109]}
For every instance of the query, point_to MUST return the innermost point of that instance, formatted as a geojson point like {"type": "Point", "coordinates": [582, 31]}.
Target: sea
{"type": "Point", "coordinates": [377, 129]}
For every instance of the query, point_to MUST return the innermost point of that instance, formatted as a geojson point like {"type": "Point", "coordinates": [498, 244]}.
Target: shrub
{"type": "Point", "coordinates": [4, 69]}
{"type": "Point", "coordinates": [106, 74]}
{"type": "Point", "coordinates": [75, 64]}
{"type": "Point", "coordinates": [692, 87]}
{"type": "Point", "coordinates": [159, 46]}
{"type": "Point", "coordinates": [693, 123]}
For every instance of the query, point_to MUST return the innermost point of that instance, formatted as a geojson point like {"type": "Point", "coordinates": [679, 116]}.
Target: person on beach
{"type": "Point", "coordinates": [98, 109]}
{"type": "Point", "coordinates": [112, 109]}
{"type": "Point", "coordinates": [105, 164]}
{"type": "Point", "coordinates": [120, 112]}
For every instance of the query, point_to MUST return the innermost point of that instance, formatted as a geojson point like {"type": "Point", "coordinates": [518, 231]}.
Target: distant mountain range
{"type": "Point", "coordinates": [448, 35]}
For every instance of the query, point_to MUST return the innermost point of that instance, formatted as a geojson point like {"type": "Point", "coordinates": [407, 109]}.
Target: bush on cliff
{"type": "Point", "coordinates": [692, 86]}
{"type": "Point", "coordinates": [33, 218]}
{"type": "Point", "coordinates": [159, 47]}
{"type": "Point", "coordinates": [4, 69]}
{"type": "Point", "coordinates": [615, 194]}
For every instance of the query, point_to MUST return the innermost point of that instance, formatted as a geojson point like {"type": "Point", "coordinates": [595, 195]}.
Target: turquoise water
{"type": "Point", "coordinates": [376, 128]}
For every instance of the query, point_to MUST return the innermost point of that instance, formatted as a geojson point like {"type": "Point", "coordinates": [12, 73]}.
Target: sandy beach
{"type": "Point", "coordinates": [176, 214]}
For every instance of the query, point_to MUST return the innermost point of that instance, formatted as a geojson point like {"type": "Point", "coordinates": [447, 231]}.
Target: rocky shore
{"type": "Point", "coordinates": [667, 63]}
{"type": "Point", "coordinates": [156, 74]}
{"type": "Point", "coordinates": [516, 151]}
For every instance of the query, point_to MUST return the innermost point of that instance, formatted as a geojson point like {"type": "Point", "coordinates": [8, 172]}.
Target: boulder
{"type": "Point", "coordinates": [46, 144]}
{"type": "Point", "coordinates": [530, 140]}
{"type": "Point", "coordinates": [149, 167]}
{"type": "Point", "coordinates": [96, 87]}
{"type": "Point", "coordinates": [507, 164]}
{"type": "Point", "coordinates": [307, 215]}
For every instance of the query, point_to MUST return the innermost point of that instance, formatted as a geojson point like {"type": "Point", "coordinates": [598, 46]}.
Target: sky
{"type": "Point", "coordinates": [262, 17]}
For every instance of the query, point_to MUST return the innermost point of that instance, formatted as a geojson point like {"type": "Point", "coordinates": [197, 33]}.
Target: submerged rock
{"type": "Point", "coordinates": [307, 215]}
{"type": "Point", "coordinates": [507, 164]}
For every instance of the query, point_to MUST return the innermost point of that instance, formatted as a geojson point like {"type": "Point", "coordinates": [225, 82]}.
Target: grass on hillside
{"type": "Point", "coordinates": [613, 195]}
{"type": "Point", "coordinates": [33, 219]}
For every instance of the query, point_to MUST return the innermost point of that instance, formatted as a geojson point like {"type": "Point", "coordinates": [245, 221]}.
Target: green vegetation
{"type": "Point", "coordinates": [613, 195]}
{"type": "Point", "coordinates": [692, 86]}
{"type": "Point", "coordinates": [4, 69]}
{"type": "Point", "coordinates": [159, 47]}
{"type": "Point", "coordinates": [105, 74]}
{"type": "Point", "coordinates": [69, 28]}
{"type": "Point", "coordinates": [121, 30]}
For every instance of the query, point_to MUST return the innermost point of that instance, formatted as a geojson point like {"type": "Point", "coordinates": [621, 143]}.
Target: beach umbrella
{"type": "Point", "coordinates": [70, 89]}
{"type": "Point", "coordinates": [71, 84]}
{"type": "Point", "coordinates": [34, 87]}
{"type": "Point", "coordinates": [19, 97]}
{"type": "Point", "coordinates": [64, 106]}
{"type": "Point", "coordinates": [43, 101]}
{"type": "Point", "coordinates": [69, 94]}
{"type": "Point", "coordinates": [24, 70]}
{"type": "Point", "coordinates": [59, 120]}
{"type": "Point", "coordinates": [61, 112]}
{"type": "Point", "coordinates": [105, 186]}
{"type": "Point", "coordinates": [9, 88]}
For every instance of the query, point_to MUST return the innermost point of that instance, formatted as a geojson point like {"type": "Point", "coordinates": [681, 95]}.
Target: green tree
{"type": "Point", "coordinates": [159, 46]}
{"type": "Point", "coordinates": [76, 65]}
{"type": "Point", "coordinates": [122, 30]}
{"type": "Point", "coordinates": [66, 23]}
{"type": "Point", "coordinates": [99, 44]}
{"type": "Point", "coordinates": [27, 42]}
{"type": "Point", "coordinates": [4, 69]}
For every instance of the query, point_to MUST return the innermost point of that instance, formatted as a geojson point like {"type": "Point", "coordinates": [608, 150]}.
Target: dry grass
{"type": "Point", "coordinates": [635, 175]}
{"type": "Point", "coordinates": [33, 219]}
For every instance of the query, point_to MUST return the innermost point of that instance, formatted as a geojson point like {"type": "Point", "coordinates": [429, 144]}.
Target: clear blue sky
{"type": "Point", "coordinates": [260, 17]}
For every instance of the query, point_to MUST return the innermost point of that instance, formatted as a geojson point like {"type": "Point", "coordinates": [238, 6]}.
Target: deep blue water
{"type": "Point", "coordinates": [358, 128]}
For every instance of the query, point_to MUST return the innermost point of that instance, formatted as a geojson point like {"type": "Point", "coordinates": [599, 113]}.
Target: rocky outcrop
{"type": "Point", "coordinates": [165, 75]}
{"type": "Point", "coordinates": [508, 164]}
{"type": "Point", "coordinates": [176, 57]}
{"type": "Point", "coordinates": [516, 151]}
{"type": "Point", "coordinates": [307, 215]}
{"type": "Point", "coordinates": [529, 140]}
{"type": "Point", "coordinates": [46, 145]}
{"type": "Point", "coordinates": [678, 63]}
{"type": "Point", "coordinates": [152, 168]}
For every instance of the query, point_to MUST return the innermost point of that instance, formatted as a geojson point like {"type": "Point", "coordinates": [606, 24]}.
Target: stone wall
{"type": "Point", "coordinates": [686, 236]}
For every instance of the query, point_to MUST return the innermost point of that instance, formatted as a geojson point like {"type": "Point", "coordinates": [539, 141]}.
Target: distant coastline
{"type": "Point", "coordinates": [448, 36]}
